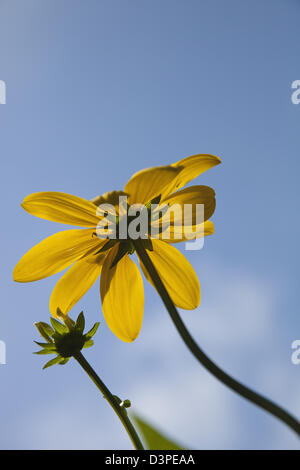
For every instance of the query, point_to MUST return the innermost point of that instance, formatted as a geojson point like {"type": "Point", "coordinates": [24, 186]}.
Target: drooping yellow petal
{"type": "Point", "coordinates": [75, 283]}
{"type": "Point", "coordinates": [111, 197]}
{"type": "Point", "coordinates": [146, 184]}
{"type": "Point", "coordinates": [194, 195]}
{"type": "Point", "coordinates": [191, 167]}
{"type": "Point", "coordinates": [122, 295]}
{"type": "Point", "coordinates": [55, 253]}
{"type": "Point", "coordinates": [188, 232]}
{"type": "Point", "coordinates": [113, 203]}
{"type": "Point", "coordinates": [180, 213]}
{"type": "Point", "coordinates": [62, 207]}
{"type": "Point", "coordinates": [176, 273]}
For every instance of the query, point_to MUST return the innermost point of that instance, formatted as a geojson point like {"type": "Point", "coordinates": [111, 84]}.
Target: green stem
{"type": "Point", "coordinates": [120, 411]}
{"type": "Point", "coordinates": [226, 379]}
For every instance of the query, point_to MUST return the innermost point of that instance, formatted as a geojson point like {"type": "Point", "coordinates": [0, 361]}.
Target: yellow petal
{"type": "Point", "coordinates": [75, 283]}
{"type": "Point", "coordinates": [191, 167]}
{"type": "Point", "coordinates": [111, 197]}
{"type": "Point", "coordinates": [61, 207]}
{"type": "Point", "coordinates": [55, 253]}
{"type": "Point", "coordinates": [193, 195]}
{"type": "Point", "coordinates": [176, 234]}
{"type": "Point", "coordinates": [122, 295]}
{"type": "Point", "coordinates": [176, 273]}
{"type": "Point", "coordinates": [182, 216]}
{"type": "Point", "coordinates": [146, 184]}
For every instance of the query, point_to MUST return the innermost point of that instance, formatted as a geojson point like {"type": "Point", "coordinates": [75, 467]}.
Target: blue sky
{"type": "Point", "coordinates": [98, 90]}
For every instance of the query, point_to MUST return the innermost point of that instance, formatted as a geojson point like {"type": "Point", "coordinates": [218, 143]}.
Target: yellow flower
{"type": "Point", "coordinates": [121, 284]}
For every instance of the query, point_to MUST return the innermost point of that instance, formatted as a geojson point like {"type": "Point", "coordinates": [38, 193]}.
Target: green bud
{"type": "Point", "coordinates": [126, 404]}
{"type": "Point", "coordinates": [69, 344]}
{"type": "Point", "coordinates": [65, 340]}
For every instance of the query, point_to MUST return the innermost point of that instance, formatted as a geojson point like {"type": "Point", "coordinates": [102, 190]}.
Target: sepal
{"type": "Point", "coordinates": [64, 339]}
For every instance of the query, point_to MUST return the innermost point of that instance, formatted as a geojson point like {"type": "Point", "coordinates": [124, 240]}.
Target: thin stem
{"type": "Point", "coordinates": [120, 411]}
{"type": "Point", "coordinates": [226, 379]}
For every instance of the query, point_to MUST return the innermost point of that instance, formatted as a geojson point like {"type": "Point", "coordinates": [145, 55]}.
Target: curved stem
{"type": "Point", "coordinates": [226, 379]}
{"type": "Point", "coordinates": [121, 412]}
